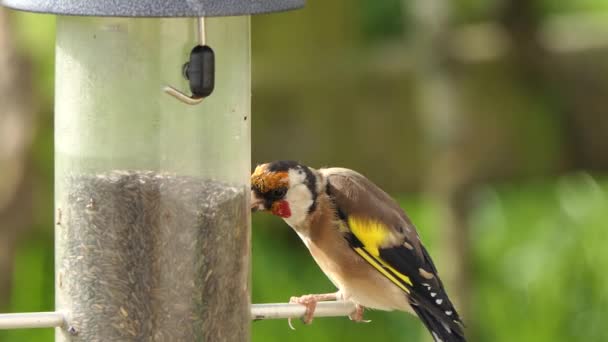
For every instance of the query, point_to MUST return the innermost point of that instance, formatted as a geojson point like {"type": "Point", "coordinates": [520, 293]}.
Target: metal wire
{"type": "Point", "coordinates": [202, 34]}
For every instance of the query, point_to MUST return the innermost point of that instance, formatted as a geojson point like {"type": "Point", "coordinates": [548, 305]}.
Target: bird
{"type": "Point", "coordinates": [361, 239]}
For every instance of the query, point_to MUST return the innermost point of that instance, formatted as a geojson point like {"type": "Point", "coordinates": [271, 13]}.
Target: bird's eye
{"type": "Point", "coordinates": [278, 193]}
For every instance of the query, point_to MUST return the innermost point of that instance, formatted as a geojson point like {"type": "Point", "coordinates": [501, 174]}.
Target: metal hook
{"type": "Point", "coordinates": [196, 98]}
{"type": "Point", "coordinates": [181, 96]}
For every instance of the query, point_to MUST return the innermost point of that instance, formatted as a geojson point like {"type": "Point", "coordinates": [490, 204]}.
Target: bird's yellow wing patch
{"type": "Point", "coordinates": [373, 235]}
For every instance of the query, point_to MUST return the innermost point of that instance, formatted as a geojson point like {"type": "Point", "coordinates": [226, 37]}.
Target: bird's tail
{"type": "Point", "coordinates": [441, 331]}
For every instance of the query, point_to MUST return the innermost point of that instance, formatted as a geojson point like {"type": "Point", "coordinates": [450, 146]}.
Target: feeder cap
{"type": "Point", "coordinates": [154, 8]}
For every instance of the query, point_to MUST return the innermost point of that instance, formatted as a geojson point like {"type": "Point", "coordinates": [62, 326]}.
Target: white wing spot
{"type": "Point", "coordinates": [433, 294]}
{"type": "Point", "coordinates": [439, 301]}
{"type": "Point", "coordinates": [449, 313]}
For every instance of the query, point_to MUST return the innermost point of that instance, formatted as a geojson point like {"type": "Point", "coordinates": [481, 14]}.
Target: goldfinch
{"type": "Point", "coordinates": [361, 239]}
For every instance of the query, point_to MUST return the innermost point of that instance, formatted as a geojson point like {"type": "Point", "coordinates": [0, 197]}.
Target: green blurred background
{"type": "Point", "coordinates": [488, 120]}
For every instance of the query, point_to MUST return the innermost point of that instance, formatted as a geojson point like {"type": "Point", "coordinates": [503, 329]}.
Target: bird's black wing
{"type": "Point", "coordinates": [381, 233]}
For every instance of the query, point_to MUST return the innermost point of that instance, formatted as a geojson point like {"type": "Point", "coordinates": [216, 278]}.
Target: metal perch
{"type": "Point", "coordinates": [258, 312]}
{"type": "Point", "coordinates": [284, 310]}
{"type": "Point", "coordinates": [31, 320]}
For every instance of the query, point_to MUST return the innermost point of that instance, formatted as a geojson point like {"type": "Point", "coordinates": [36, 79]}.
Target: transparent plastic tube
{"type": "Point", "coordinates": [152, 224]}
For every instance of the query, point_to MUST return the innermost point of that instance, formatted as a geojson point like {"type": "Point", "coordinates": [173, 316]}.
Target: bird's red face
{"type": "Point", "coordinates": [281, 209]}
{"type": "Point", "coordinates": [286, 188]}
{"type": "Point", "coordinates": [268, 190]}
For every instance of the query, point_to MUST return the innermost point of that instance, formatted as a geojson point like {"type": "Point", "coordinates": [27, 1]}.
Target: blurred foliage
{"type": "Point", "coordinates": [330, 88]}
{"type": "Point", "coordinates": [381, 20]}
{"type": "Point", "coordinates": [33, 287]}
{"type": "Point", "coordinates": [476, 10]}
{"type": "Point", "coordinates": [546, 280]}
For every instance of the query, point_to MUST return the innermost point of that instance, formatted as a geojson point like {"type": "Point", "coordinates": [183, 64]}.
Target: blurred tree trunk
{"type": "Point", "coordinates": [578, 85]}
{"type": "Point", "coordinates": [444, 127]}
{"type": "Point", "coordinates": [16, 132]}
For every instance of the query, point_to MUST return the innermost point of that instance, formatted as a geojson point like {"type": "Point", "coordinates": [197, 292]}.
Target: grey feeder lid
{"type": "Point", "coordinates": [154, 8]}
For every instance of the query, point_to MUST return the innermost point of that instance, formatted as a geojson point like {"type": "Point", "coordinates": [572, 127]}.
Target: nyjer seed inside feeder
{"type": "Point", "coordinates": [152, 160]}
{"type": "Point", "coordinates": [153, 238]}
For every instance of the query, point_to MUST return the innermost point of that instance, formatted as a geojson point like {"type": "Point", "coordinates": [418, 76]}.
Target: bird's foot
{"type": "Point", "coordinates": [357, 316]}
{"type": "Point", "coordinates": [310, 302]}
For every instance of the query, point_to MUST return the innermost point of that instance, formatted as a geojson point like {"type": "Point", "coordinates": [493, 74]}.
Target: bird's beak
{"type": "Point", "coordinates": [257, 204]}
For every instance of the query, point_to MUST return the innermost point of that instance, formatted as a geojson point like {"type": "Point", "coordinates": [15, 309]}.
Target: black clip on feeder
{"type": "Point", "coordinates": [199, 71]}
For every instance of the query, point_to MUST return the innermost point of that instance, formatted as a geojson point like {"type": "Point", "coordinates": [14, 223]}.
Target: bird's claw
{"type": "Point", "coordinates": [357, 316]}
{"type": "Point", "coordinates": [310, 302]}
{"type": "Point", "coordinates": [290, 324]}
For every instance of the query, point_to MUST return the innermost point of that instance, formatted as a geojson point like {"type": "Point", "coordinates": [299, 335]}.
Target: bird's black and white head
{"type": "Point", "coordinates": [285, 188]}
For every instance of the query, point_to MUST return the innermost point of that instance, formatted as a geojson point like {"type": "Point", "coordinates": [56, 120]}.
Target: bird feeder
{"type": "Point", "coordinates": [152, 161]}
